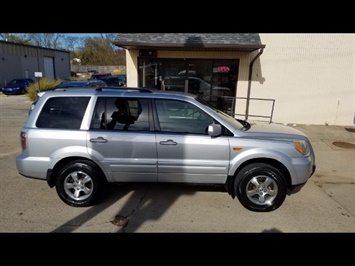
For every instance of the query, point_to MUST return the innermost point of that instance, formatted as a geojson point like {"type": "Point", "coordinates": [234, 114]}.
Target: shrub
{"type": "Point", "coordinates": [41, 85]}
{"type": "Point", "coordinates": [119, 72]}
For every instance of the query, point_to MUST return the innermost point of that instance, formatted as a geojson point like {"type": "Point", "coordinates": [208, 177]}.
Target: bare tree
{"type": "Point", "coordinates": [91, 51]}
{"type": "Point", "coordinates": [17, 38]}
{"type": "Point", "coordinates": [72, 43]}
{"type": "Point", "coordinates": [109, 37]}
{"type": "Point", "coordinates": [47, 40]}
{"type": "Point", "coordinates": [5, 36]}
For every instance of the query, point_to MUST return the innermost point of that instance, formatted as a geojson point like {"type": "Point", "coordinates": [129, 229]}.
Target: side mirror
{"type": "Point", "coordinates": [214, 130]}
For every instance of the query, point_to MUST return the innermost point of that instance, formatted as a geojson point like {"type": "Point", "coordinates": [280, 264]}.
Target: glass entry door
{"type": "Point", "coordinates": [173, 75]}
{"type": "Point", "coordinates": [149, 75]}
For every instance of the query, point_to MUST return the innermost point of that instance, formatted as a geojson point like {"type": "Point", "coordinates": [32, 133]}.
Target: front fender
{"type": "Point", "coordinates": [259, 153]}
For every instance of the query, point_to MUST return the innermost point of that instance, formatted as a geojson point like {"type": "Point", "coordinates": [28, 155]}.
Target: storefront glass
{"type": "Point", "coordinates": [214, 80]}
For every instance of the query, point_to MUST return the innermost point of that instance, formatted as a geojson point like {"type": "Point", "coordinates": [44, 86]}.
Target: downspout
{"type": "Point", "coordinates": [249, 82]}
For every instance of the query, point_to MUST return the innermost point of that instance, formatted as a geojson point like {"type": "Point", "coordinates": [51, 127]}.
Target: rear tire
{"type": "Point", "coordinates": [78, 184]}
{"type": "Point", "coordinates": [260, 187]}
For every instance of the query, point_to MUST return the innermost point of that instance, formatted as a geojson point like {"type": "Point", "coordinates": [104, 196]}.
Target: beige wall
{"type": "Point", "coordinates": [132, 68]}
{"type": "Point", "coordinates": [310, 77]}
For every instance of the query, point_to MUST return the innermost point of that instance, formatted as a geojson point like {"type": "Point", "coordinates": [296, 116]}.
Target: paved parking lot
{"type": "Point", "coordinates": [325, 204]}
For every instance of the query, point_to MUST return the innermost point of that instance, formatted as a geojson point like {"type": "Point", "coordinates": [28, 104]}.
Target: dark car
{"type": "Point", "coordinates": [81, 83]}
{"type": "Point", "coordinates": [100, 75]}
{"type": "Point", "coordinates": [17, 86]}
{"type": "Point", "coordinates": [123, 77]}
{"type": "Point", "coordinates": [113, 81]}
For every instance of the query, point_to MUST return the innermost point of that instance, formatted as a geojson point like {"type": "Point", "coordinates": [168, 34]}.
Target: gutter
{"type": "Point", "coordinates": [249, 81]}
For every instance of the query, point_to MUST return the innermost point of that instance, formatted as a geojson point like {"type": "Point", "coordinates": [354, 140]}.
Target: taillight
{"type": "Point", "coordinates": [23, 140]}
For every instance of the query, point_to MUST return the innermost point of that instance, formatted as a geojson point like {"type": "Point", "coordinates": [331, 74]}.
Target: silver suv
{"type": "Point", "coordinates": [80, 139]}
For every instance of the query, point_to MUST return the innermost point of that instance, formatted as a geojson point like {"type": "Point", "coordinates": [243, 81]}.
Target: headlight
{"type": "Point", "coordinates": [301, 146]}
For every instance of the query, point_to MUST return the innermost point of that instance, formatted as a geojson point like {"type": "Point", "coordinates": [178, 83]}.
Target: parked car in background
{"type": "Point", "coordinates": [100, 75]}
{"type": "Point", "coordinates": [113, 81]}
{"type": "Point", "coordinates": [17, 86]}
{"type": "Point", "coordinates": [123, 77]}
{"type": "Point", "coordinates": [79, 139]}
{"type": "Point", "coordinates": [80, 83]}
{"type": "Point", "coordinates": [76, 74]}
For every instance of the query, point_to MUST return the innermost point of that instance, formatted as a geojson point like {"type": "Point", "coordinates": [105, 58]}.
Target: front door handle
{"type": "Point", "coordinates": [168, 142]}
{"type": "Point", "coordinates": [99, 140]}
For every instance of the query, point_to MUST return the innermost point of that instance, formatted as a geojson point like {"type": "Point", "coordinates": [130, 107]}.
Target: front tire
{"type": "Point", "coordinates": [260, 187]}
{"type": "Point", "coordinates": [78, 184]}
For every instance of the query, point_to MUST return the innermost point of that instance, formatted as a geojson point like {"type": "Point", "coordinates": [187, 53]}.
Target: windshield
{"type": "Point", "coordinates": [16, 81]}
{"type": "Point", "coordinates": [226, 117]}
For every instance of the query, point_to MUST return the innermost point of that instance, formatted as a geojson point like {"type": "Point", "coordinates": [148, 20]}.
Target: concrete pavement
{"type": "Point", "coordinates": [335, 158]}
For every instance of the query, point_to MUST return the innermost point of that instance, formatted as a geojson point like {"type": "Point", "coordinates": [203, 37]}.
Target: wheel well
{"type": "Point", "coordinates": [54, 172]}
{"type": "Point", "coordinates": [230, 180]}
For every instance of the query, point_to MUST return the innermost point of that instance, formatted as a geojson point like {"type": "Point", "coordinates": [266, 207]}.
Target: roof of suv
{"type": "Point", "coordinates": [109, 91]}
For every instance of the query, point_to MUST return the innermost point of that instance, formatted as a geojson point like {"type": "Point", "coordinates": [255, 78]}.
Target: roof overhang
{"type": "Point", "coordinates": [198, 42]}
{"type": "Point", "coordinates": [167, 46]}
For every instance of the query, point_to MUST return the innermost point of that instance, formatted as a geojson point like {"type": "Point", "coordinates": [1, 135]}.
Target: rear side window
{"type": "Point", "coordinates": [63, 112]}
{"type": "Point", "coordinates": [121, 114]}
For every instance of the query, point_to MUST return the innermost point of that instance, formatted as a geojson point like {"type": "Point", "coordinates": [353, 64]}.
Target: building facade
{"type": "Point", "coordinates": [279, 78]}
{"type": "Point", "coordinates": [28, 61]}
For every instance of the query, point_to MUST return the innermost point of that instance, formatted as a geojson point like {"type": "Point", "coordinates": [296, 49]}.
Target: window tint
{"type": "Point", "coordinates": [121, 114]}
{"type": "Point", "coordinates": [63, 112]}
{"type": "Point", "coordinates": [182, 117]}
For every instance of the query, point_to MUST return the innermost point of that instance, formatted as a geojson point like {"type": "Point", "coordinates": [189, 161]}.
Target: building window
{"type": "Point", "coordinates": [215, 80]}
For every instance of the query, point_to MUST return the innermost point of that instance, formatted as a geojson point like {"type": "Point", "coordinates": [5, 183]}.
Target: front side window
{"type": "Point", "coordinates": [181, 117]}
{"type": "Point", "coordinates": [63, 112]}
{"type": "Point", "coordinates": [118, 113]}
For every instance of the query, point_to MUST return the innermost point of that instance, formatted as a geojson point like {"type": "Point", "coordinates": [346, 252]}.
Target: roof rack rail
{"type": "Point", "coordinates": [125, 89]}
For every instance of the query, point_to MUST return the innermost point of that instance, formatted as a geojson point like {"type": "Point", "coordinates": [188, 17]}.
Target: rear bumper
{"type": "Point", "coordinates": [32, 167]}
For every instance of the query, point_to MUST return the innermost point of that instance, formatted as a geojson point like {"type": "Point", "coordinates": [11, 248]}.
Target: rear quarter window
{"type": "Point", "coordinates": [63, 112]}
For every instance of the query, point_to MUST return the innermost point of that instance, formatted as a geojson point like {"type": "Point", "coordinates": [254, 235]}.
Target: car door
{"type": "Point", "coordinates": [125, 148]}
{"type": "Point", "coordinates": [186, 153]}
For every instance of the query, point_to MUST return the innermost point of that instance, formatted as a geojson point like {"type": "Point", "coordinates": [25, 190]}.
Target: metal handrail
{"type": "Point", "coordinates": [233, 107]}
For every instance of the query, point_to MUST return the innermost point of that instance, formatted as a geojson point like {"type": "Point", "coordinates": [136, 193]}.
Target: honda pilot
{"type": "Point", "coordinates": [78, 140]}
